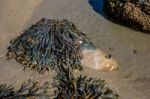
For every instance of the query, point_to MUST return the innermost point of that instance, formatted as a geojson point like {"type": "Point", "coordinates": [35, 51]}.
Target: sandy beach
{"type": "Point", "coordinates": [128, 47]}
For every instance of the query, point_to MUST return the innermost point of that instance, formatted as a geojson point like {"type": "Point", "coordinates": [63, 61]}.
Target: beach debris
{"type": "Point", "coordinates": [132, 13]}
{"type": "Point", "coordinates": [43, 46]}
{"type": "Point", "coordinates": [28, 90]}
{"type": "Point", "coordinates": [81, 87]}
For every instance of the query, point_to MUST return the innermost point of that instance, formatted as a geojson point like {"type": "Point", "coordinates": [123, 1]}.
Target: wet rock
{"type": "Point", "coordinates": [134, 13]}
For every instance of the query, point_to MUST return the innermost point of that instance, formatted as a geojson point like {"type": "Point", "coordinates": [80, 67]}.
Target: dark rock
{"type": "Point", "coordinates": [134, 13]}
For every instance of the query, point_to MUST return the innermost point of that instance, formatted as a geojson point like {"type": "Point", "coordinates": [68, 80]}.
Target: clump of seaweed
{"type": "Point", "coordinates": [70, 87]}
{"type": "Point", "coordinates": [43, 46]}
{"type": "Point", "coordinates": [28, 90]}
{"type": "Point", "coordinates": [54, 44]}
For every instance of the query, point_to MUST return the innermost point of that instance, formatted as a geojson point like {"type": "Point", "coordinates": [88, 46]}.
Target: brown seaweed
{"type": "Point", "coordinates": [43, 45]}
{"type": "Point", "coordinates": [81, 87]}
{"type": "Point", "coordinates": [54, 44]}
{"type": "Point", "coordinates": [28, 90]}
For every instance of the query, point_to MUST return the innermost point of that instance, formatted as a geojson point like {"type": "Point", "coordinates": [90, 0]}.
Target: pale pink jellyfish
{"type": "Point", "coordinates": [96, 59]}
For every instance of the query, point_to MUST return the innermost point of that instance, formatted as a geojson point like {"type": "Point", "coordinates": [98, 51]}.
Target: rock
{"type": "Point", "coordinates": [133, 13]}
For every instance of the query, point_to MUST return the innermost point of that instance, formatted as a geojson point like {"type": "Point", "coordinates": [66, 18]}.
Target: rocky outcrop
{"type": "Point", "coordinates": [134, 13]}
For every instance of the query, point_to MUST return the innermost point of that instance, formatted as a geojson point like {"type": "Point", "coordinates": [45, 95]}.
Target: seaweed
{"type": "Point", "coordinates": [28, 90]}
{"type": "Point", "coordinates": [68, 87]}
{"type": "Point", "coordinates": [71, 87]}
{"type": "Point", "coordinates": [55, 44]}
{"type": "Point", "coordinates": [43, 46]}
{"type": "Point", "coordinates": [81, 87]}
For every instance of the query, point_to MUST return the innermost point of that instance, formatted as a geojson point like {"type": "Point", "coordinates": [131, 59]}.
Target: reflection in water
{"type": "Point", "coordinates": [97, 6]}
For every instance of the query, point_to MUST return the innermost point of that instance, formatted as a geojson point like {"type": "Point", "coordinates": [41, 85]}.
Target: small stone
{"type": "Point", "coordinates": [134, 51]}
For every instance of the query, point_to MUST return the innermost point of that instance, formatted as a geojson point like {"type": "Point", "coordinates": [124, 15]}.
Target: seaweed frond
{"type": "Point", "coordinates": [28, 90]}
{"type": "Point", "coordinates": [81, 88]}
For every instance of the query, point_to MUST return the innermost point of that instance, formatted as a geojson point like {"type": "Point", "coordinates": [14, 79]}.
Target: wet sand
{"type": "Point", "coordinates": [131, 81]}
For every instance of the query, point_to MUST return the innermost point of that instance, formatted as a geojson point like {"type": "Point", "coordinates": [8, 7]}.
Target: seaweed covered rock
{"type": "Point", "coordinates": [134, 13]}
{"type": "Point", "coordinates": [43, 46]}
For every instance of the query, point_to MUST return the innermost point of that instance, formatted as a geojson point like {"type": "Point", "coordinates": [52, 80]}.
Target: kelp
{"type": "Point", "coordinates": [43, 46]}
{"type": "Point", "coordinates": [66, 87]}
{"type": "Point", "coordinates": [81, 87]}
{"type": "Point", "coordinates": [28, 90]}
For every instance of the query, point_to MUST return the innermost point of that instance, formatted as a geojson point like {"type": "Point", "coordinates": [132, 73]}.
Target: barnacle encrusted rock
{"type": "Point", "coordinates": [44, 45]}
{"type": "Point", "coordinates": [135, 13]}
